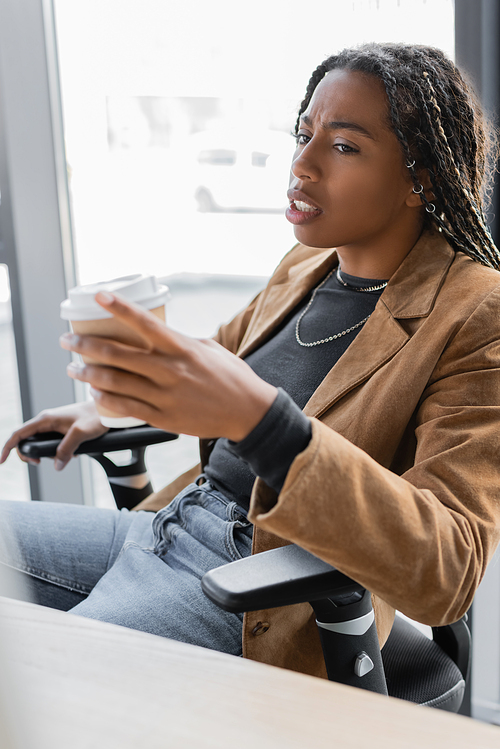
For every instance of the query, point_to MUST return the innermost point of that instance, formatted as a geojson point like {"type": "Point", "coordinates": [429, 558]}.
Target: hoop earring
{"type": "Point", "coordinates": [418, 192]}
{"type": "Point", "coordinates": [430, 208]}
{"type": "Point", "coordinates": [410, 166]}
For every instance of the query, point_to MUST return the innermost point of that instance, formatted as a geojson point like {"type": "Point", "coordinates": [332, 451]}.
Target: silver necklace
{"type": "Point", "coordinates": [343, 332]}
{"type": "Point", "coordinates": [359, 288]}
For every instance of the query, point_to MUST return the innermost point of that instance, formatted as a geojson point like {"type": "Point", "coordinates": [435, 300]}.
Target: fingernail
{"type": "Point", "coordinates": [75, 369]}
{"type": "Point", "coordinates": [104, 297]}
{"type": "Point", "coordinates": [58, 464]}
{"type": "Point", "coordinates": [67, 340]}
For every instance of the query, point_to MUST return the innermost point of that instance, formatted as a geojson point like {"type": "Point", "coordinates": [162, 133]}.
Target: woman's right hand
{"type": "Point", "coordinates": [78, 422]}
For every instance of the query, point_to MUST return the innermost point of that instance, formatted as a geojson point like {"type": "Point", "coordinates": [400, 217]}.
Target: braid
{"type": "Point", "coordinates": [440, 128]}
{"type": "Point", "coordinates": [444, 162]}
{"type": "Point", "coordinates": [474, 200]}
{"type": "Point", "coordinates": [315, 78]}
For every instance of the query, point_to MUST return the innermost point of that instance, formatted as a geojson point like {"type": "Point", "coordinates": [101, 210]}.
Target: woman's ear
{"type": "Point", "coordinates": [414, 199]}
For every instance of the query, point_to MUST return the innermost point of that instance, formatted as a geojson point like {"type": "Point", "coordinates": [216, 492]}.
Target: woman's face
{"type": "Point", "coordinates": [349, 186]}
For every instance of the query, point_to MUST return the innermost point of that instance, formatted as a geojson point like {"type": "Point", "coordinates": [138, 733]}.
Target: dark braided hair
{"type": "Point", "coordinates": [441, 128]}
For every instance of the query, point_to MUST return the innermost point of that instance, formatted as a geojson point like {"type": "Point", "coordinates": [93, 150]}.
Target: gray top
{"type": "Point", "coordinates": [270, 448]}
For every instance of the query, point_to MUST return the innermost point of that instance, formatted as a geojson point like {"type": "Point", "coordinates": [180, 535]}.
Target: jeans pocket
{"type": "Point", "coordinates": [239, 532]}
{"type": "Point", "coordinates": [164, 525]}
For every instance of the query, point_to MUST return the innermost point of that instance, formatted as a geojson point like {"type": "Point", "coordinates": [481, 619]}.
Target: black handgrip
{"type": "Point", "coordinates": [44, 444]}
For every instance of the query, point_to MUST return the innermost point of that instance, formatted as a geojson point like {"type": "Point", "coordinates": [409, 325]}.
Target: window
{"type": "Point", "coordinates": [177, 121]}
{"type": "Point", "coordinates": [14, 473]}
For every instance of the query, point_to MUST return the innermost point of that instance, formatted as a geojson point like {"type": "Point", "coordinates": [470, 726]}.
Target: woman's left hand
{"type": "Point", "coordinates": [177, 383]}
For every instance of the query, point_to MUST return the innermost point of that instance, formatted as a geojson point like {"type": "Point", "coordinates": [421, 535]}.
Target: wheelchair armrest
{"type": "Point", "coordinates": [129, 482]}
{"type": "Point", "coordinates": [44, 444]}
{"type": "Point", "coordinates": [279, 577]}
{"type": "Point", "coordinates": [346, 627]}
{"type": "Point", "coordinates": [343, 608]}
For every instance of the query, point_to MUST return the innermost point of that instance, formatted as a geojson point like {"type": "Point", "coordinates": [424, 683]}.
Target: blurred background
{"type": "Point", "coordinates": [176, 123]}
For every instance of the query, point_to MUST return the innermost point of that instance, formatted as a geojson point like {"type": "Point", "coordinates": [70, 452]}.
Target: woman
{"type": "Point", "coordinates": [391, 346]}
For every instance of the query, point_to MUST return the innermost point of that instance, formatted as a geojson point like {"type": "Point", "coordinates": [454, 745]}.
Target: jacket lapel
{"type": "Point", "coordinates": [280, 299]}
{"type": "Point", "coordinates": [410, 293]}
{"type": "Point", "coordinates": [377, 342]}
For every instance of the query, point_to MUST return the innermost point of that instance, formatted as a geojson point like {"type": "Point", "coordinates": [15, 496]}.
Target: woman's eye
{"type": "Point", "coordinates": [344, 148]}
{"type": "Point", "coordinates": [301, 139]}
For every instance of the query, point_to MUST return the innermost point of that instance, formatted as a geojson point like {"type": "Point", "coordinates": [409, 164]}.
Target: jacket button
{"type": "Point", "coordinates": [260, 628]}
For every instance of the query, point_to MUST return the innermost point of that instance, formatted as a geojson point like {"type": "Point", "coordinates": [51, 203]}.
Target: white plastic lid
{"type": "Point", "coordinates": [143, 290]}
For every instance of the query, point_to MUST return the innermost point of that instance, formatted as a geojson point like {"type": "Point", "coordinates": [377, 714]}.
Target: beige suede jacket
{"type": "Point", "coordinates": [399, 487]}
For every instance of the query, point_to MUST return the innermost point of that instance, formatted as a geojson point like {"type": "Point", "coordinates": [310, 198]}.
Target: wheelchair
{"type": "Point", "coordinates": [411, 666]}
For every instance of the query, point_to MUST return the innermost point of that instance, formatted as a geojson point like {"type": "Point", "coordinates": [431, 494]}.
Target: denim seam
{"type": "Point", "coordinates": [170, 509]}
{"type": "Point", "coordinates": [47, 577]}
{"type": "Point", "coordinates": [229, 541]}
{"type": "Point", "coordinates": [216, 495]}
{"type": "Point", "coordinates": [203, 502]}
{"type": "Point", "coordinates": [236, 510]}
{"type": "Point", "coordinates": [165, 541]}
{"type": "Point", "coordinates": [129, 545]}
{"type": "Point", "coordinates": [108, 566]}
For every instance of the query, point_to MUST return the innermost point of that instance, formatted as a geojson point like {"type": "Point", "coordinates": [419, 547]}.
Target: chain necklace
{"type": "Point", "coordinates": [343, 332]}
{"type": "Point", "coordinates": [358, 288]}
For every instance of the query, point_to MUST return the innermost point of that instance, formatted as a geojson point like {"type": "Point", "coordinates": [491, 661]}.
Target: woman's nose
{"type": "Point", "coordinates": [304, 165]}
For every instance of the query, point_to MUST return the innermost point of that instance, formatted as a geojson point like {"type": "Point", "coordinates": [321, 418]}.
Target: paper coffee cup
{"type": "Point", "coordinates": [89, 318]}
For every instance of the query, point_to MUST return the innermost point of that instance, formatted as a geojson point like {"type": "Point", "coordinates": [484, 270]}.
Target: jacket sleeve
{"type": "Point", "coordinates": [420, 541]}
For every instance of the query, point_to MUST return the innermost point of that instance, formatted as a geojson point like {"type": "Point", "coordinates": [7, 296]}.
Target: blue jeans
{"type": "Point", "coordinates": [137, 569]}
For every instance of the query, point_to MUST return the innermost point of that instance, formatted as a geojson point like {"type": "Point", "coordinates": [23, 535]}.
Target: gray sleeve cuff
{"type": "Point", "coordinates": [278, 438]}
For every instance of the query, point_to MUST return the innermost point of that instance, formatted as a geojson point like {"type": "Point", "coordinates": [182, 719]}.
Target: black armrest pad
{"type": "Point", "coordinates": [279, 577]}
{"type": "Point", "coordinates": [44, 444]}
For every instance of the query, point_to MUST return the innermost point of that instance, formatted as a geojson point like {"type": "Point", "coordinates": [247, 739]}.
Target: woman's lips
{"type": "Point", "coordinates": [299, 212]}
